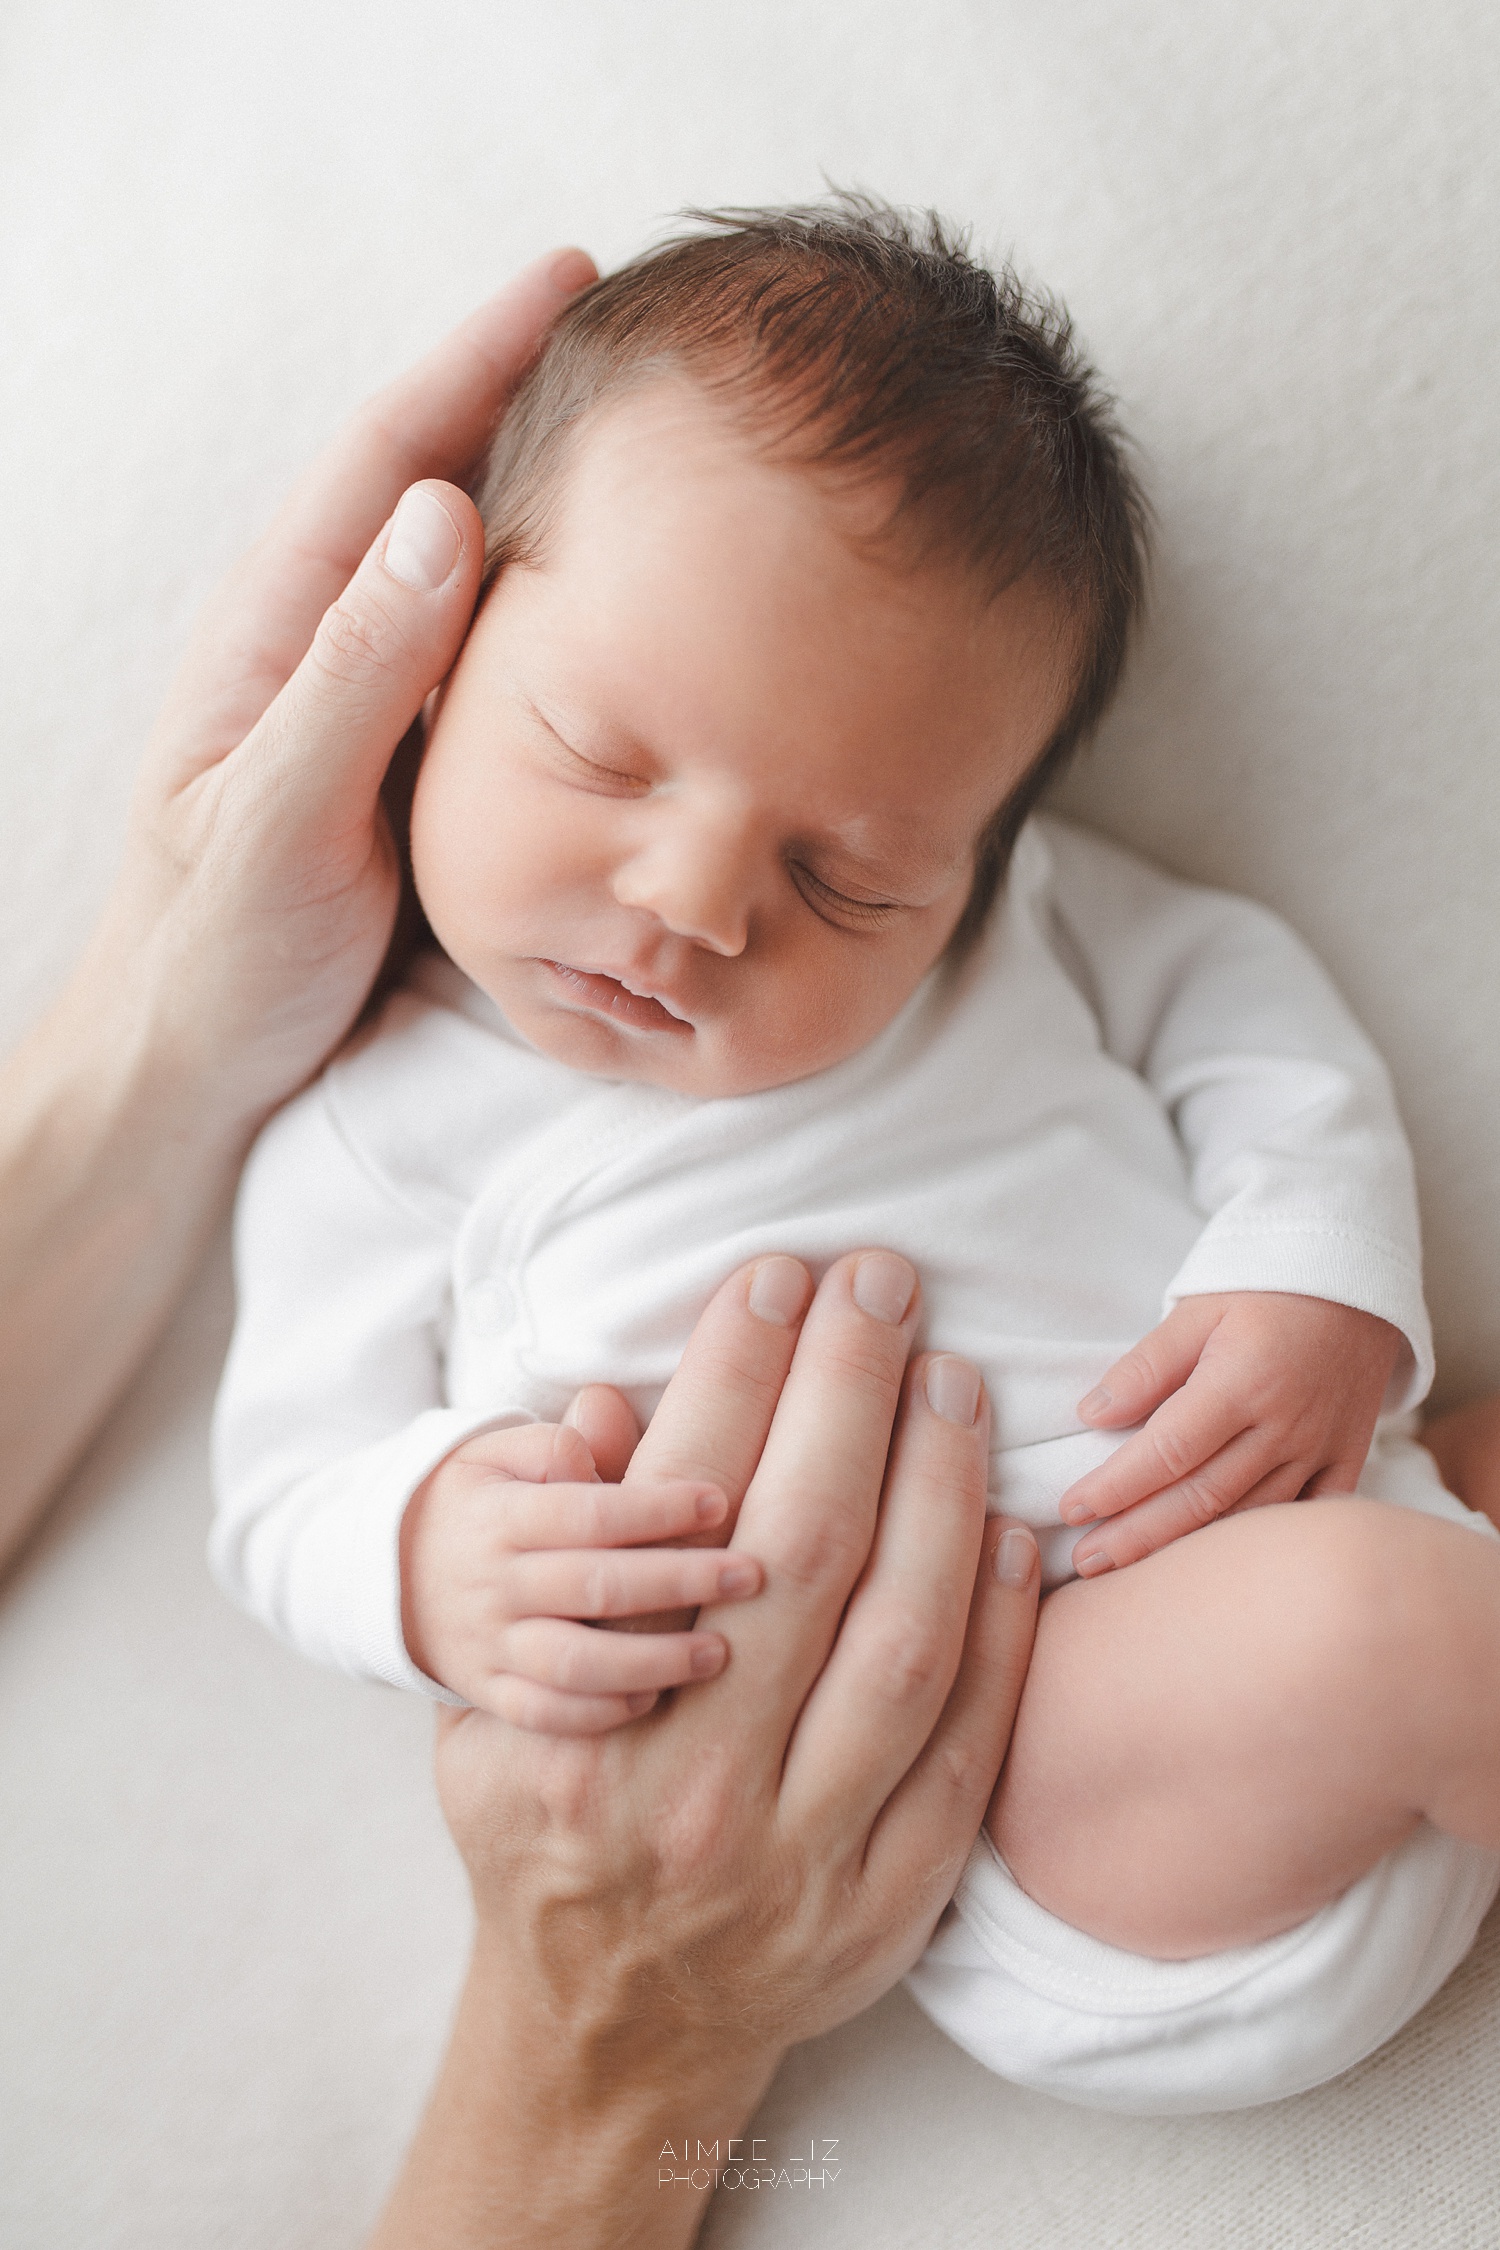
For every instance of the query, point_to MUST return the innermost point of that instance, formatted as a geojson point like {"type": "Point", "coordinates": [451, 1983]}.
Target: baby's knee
{"type": "Point", "coordinates": [1374, 1614]}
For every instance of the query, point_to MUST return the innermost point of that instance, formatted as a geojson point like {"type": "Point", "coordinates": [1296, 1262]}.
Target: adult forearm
{"type": "Point", "coordinates": [542, 2134]}
{"type": "Point", "coordinates": [111, 1177]}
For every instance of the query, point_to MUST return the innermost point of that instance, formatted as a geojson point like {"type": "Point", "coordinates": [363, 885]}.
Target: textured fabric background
{"type": "Point", "coordinates": [229, 1919]}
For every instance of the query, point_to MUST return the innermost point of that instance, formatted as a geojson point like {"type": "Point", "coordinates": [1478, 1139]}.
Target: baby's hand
{"type": "Point", "coordinates": [512, 1545]}
{"type": "Point", "coordinates": [1252, 1398]}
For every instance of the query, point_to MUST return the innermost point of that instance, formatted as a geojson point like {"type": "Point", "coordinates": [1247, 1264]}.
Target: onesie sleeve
{"type": "Point", "coordinates": [331, 1409]}
{"type": "Point", "coordinates": [1285, 1113]}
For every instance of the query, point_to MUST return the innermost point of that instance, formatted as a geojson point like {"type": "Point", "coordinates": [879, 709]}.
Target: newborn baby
{"type": "Point", "coordinates": [811, 555]}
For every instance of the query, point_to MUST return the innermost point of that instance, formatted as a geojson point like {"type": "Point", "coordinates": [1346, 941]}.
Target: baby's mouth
{"type": "Point", "coordinates": [607, 996]}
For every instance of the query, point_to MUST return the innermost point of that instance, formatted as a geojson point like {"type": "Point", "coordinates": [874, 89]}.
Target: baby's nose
{"type": "Point", "coordinates": [699, 891]}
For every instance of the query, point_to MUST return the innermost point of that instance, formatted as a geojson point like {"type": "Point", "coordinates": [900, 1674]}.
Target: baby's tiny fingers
{"type": "Point", "coordinates": [1147, 1375]}
{"type": "Point", "coordinates": [1178, 1442]}
{"type": "Point", "coordinates": [607, 1515]}
{"type": "Point", "coordinates": [596, 1582]}
{"type": "Point", "coordinates": [554, 1653]}
{"type": "Point", "coordinates": [547, 1710]}
{"type": "Point", "coordinates": [1155, 1523]}
{"type": "Point", "coordinates": [535, 1452]}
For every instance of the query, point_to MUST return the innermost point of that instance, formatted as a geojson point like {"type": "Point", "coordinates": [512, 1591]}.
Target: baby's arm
{"type": "Point", "coordinates": [380, 1530]}
{"type": "Point", "coordinates": [1298, 1314]}
{"type": "Point", "coordinates": [512, 1549]}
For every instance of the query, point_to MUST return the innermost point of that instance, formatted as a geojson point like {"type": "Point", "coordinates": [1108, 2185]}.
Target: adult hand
{"type": "Point", "coordinates": [257, 892]}
{"type": "Point", "coordinates": [663, 1910]}
{"type": "Point", "coordinates": [260, 880]}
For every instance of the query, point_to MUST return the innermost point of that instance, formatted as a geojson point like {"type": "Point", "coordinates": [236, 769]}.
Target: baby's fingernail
{"type": "Point", "coordinates": [884, 1286]}
{"type": "Point", "coordinates": [1075, 1511]}
{"type": "Point", "coordinates": [1097, 1400]}
{"type": "Point", "coordinates": [424, 542]}
{"type": "Point", "coordinates": [1015, 1556]}
{"type": "Point", "coordinates": [708, 1658]}
{"type": "Point", "coordinates": [710, 1507]}
{"type": "Point", "coordinates": [738, 1578]}
{"type": "Point", "coordinates": [636, 1704]}
{"type": "Point", "coordinates": [778, 1291]}
{"type": "Point", "coordinates": [1093, 1564]}
{"type": "Point", "coordinates": [953, 1390]}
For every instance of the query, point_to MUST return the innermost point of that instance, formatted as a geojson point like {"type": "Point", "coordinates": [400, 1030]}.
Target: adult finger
{"type": "Point", "coordinates": [714, 1416]}
{"type": "Point", "coordinates": [1223, 1487]}
{"type": "Point", "coordinates": [899, 1645]}
{"type": "Point", "coordinates": [605, 1420]}
{"type": "Point", "coordinates": [321, 750]}
{"type": "Point", "coordinates": [920, 1841]}
{"type": "Point", "coordinates": [809, 1513]}
{"type": "Point", "coordinates": [432, 421]}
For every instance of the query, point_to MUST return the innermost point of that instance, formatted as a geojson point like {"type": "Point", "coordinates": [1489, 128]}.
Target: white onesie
{"type": "Point", "coordinates": [1131, 1091]}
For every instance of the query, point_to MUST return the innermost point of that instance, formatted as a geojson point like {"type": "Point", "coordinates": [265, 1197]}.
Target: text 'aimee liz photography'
{"type": "Point", "coordinates": [747, 2162]}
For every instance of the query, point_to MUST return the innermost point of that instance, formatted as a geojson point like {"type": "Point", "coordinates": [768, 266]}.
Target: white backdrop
{"type": "Point", "coordinates": [231, 1923]}
{"type": "Point", "coordinates": [1275, 226]}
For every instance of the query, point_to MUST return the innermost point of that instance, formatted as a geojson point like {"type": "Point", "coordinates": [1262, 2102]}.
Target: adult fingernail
{"type": "Point", "coordinates": [737, 1578]}
{"type": "Point", "coordinates": [570, 271]}
{"type": "Point", "coordinates": [953, 1390]}
{"type": "Point", "coordinates": [778, 1291]}
{"type": "Point", "coordinates": [1015, 1556]}
{"type": "Point", "coordinates": [883, 1286]}
{"type": "Point", "coordinates": [1096, 1401]}
{"type": "Point", "coordinates": [424, 542]}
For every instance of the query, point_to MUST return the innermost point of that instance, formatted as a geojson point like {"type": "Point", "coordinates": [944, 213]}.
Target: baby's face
{"type": "Point", "coordinates": [701, 797]}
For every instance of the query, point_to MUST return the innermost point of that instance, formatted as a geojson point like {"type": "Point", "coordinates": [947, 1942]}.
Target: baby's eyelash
{"type": "Point", "coordinates": [602, 776]}
{"type": "Point", "coordinates": [866, 913]}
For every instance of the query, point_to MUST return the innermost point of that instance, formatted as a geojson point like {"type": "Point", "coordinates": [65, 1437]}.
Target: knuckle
{"type": "Point", "coordinates": [815, 1555]}
{"type": "Point", "coordinates": [1137, 1367]}
{"type": "Point", "coordinates": [906, 1658]}
{"type": "Point", "coordinates": [356, 638]}
{"type": "Point", "coordinates": [1201, 1503]}
{"type": "Point", "coordinates": [1174, 1456]}
{"type": "Point", "coordinates": [968, 1771]}
{"type": "Point", "coordinates": [867, 1360]}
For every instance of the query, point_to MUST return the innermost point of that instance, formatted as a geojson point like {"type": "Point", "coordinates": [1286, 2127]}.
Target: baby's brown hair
{"type": "Point", "coordinates": [854, 338]}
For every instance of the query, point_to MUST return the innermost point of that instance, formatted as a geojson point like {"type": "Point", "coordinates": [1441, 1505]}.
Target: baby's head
{"type": "Point", "coordinates": [811, 554]}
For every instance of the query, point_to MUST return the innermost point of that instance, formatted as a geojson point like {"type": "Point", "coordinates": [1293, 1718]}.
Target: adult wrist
{"type": "Point", "coordinates": [546, 2130]}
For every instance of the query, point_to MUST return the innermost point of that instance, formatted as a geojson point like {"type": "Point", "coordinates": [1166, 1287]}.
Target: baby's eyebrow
{"type": "Point", "coordinates": [893, 862]}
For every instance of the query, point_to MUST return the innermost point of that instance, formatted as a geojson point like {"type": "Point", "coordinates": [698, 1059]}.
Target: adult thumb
{"type": "Point", "coordinates": [324, 744]}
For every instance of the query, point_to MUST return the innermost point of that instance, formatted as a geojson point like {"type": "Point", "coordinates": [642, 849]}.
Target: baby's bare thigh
{"type": "Point", "coordinates": [1209, 1747]}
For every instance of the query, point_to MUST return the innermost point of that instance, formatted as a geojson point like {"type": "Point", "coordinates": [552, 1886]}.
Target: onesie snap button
{"type": "Point", "coordinates": [487, 1307]}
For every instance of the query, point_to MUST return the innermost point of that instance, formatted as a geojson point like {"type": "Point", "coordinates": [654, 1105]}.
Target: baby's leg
{"type": "Point", "coordinates": [1218, 1740]}
{"type": "Point", "coordinates": [1466, 1447]}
